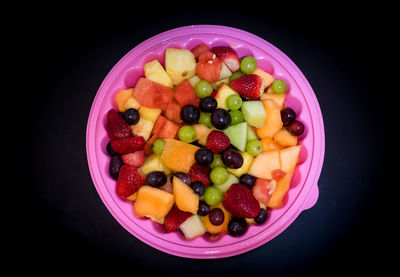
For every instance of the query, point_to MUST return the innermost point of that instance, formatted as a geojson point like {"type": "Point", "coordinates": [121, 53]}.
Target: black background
{"type": "Point", "coordinates": [67, 52]}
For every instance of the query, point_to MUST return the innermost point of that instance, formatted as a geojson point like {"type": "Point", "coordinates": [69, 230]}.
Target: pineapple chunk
{"type": "Point", "coordinates": [153, 163]}
{"type": "Point", "coordinates": [180, 64]}
{"type": "Point", "coordinates": [155, 72]}
{"type": "Point", "coordinates": [247, 161]}
{"type": "Point", "coordinates": [149, 113]}
{"type": "Point", "coordinates": [143, 128]}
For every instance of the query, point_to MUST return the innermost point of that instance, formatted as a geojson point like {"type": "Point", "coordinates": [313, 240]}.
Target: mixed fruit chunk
{"type": "Point", "coordinates": [204, 143]}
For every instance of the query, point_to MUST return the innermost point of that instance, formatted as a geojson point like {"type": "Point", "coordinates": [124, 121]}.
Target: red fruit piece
{"type": "Point", "coordinates": [239, 201]}
{"type": "Point", "coordinates": [135, 159]}
{"type": "Point", "coordinates": [261, 191]}
{"type": "Point", "coordinates": [185, 94]}
{"type": "Point", "coordinates": [250, 86]}
{"type": "Point", "coordinates": [116, 126]}
{"type": "Point", "coordinates": [175, 218]}
{"type": "Point", "coordinates": [228, 56]}
{"type": "Point", "coordinates": [217, 141]}
{"type": "Point", "coordinates": [200, 173]}
{"type": "Point", "coordinates": [208, 67]}
{"type": "Point", "coordinates": [200, 49]}
{"type": "Point", "coordinates": [129, 145]}
{"type": "Point", "coordinates": [277, 174]}
{"type": "Point", "coordinates": [129, 180]}
{"type": "Point", "coordinates": [152, 95]}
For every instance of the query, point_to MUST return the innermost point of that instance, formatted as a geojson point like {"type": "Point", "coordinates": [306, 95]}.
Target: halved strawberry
{"type": "Point", "coordinates": [135, 159]}
{"type": "Point", "coordinates": [200, 173]}
{"type": "Point", "coordinates": [174, 219]}
{"type": "Point", "coordinates": [208, 67]}
{"type": "Point", "coordinates": [239, 201]}
{"type": "Point", "coordinates": [250, 86]}
{"type": "Point", "coordinates": [129, 145]}
{"type": "Point", "coordinates": [116, 126]}
{"type": "Point", "coordinates": [129, 180]}
{"type": "Point", "coordinates": [228, 56]}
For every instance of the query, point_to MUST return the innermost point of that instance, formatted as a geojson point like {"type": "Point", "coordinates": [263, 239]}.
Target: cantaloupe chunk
{"type": "Point", "coordinates": [265, 76]}
{"type": "Point", "coordinates": [269, 144]}
{"type": "Point", "coordinates": [125, 100]}
{"type": "Point", "coordinates": [284, 138]}
{"type": "Point", "coordinates": [264, 163]}
{"type": "Point", "coordinates": [288, 162]}
{"type": "Point", "coordinates": [273, 122]}
{"type": "Point", "coordinates": [213, 229]}
{"type": "Point", "coordinates": [279, 99]}
{"type": "Point", "coordinates": [202, 132]}
{"type": "Point", "coordinates": [185, 198]}
{"type": "Point", "coordinates": [178, 155]}
{"type": "Point", "coordinates": [153, 203]}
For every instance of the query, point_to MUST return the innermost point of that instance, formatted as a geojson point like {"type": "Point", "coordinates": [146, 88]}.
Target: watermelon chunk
{"type": "Point", "coordinates": [169, 130]}
{"type": "Point", "coordinates": [208, 67]}
{"type": "Point", "coordinates": [173, 111]}
{"type": "Point", "coordinates": [152, 95]}
{"type": "Point", "coordinates": [185, 94]}
{"type": "Point", "coordinates": [160, 122]}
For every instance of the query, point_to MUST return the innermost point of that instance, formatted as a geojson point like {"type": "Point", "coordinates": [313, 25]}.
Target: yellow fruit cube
{"type": "Point", "coordinates": [149, 113]}
{"type": "Point", "coordinates": [143, 128]}
{"type": "Point", "coordinates": [153, 163]}
{"type": "Point", "coordinates": [155, 72]}
{"type": "Point", "coordinates": [180, 64]}
{"type": "Point", "coordinates": [202, 132]}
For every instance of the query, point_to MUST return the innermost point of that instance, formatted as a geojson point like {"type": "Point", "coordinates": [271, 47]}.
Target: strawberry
{"type": "Point", "coordinates": [250, 86]}
{"type": "Point", "coordinates": [174, 219]}
{"type": "Point", "coordinates": [239, 201]}
{"type": "Point", "coordinates": [217, 141]}
{"type": "Point", "coordinates": [128, 145]}
{"type": "Point", "coordinates": [135, 159]}
{"type": "Point", "coordinates": [200, 49]}
{"type": "Point", "coordinates": [228, 56]}
{"type": "Point", "coordinates": [208, 67]}
{"type": "Point", "coordinates": [116, 126]}
{"type": "Point", "coordinates": [200, 173]}
{"type": "Point", "coordinates": [129, 180]}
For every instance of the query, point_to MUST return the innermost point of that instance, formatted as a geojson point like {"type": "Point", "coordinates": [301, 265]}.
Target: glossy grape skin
{"type": "Point", "coordinates": [208, 104]}
{"type": "Point", "coordinates": [190, 114]}
{"type": "Point", "coordinates": [212, 196]}
{"type": "Point", "coordinates": [254, 147]}
{"type": "Point", "coordinates": [131, 116]}
{"type": "Point", "coordinates": [232, 158]}
{"type": "Point", "coordinates": [220, 119]}
{"type": "Point", "coordinates": [184, 177]}
{"type": "Point", "coordinates": [248, 180]}
{"type": "Point", "coordinates": [203, 89]}
{"type": "Point", "coordinates": [248, 64]}
{"type": "Point", "coordinates": [217, 161]}
{"type": "Point", "coordinates": [296, 128]}
{"type": "Point", "coordinates": [234, 102]}
{"type": "Point", "coordinates": [204, 157]}
{"type": "Point", "coordinates": [205, 118]}
{"type": "Point", "coordinates": [261, 217]}
{"type": "Point", "coordinates": [187, 134]}
{"type": "Point", "coordinates": [110, 150]}
{"type": "Point", "coordinates": [219, 175]}
{"type": "Point", "coordinates": [237, 226]}
{"type": "Point", "coordinates": [288, 115]}
{"type": "Point", "coordinates": [156, 178]}
{"type": "Point", "coordinates": [278, 86]}
{"type": "Point", "coordinates": [114, 166]}
{"type": "Point", "coordinates": [203, 209]}
{"type": "Point", "coordinates": [236, 117]}
{"type": "Point", "coordinates": [198, 187]}
{"type": "Point", "coordinates": [216, 216]}
{"type": "Point", "coordinates": [235, 75]}
{"type": "Point", "coordinates": [158, 146]}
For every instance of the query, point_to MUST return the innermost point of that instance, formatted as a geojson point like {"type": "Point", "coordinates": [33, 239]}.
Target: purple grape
{"type": "Point", "coordinates": [288, 115]}
{"type": "Point", "coordinates": [114, 166]}
{"type": "Point", "coordinates": [183, 176]}
{"type": "Point", "coordinates": [261, 217]}
{"type": "Point", "coordinates": [296, 128]}
{"type": "Point", "coordinates": [237, 226]}
{"type": "Point", "coordinates": [203, 209]}
{"type": "Point", "coordinates": [216, 216]}
{"type": "Point", "coordinates": [232, 158]}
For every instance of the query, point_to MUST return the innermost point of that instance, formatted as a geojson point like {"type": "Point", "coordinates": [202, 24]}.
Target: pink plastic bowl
{"type": "Point", "coordinates": [303, 193]}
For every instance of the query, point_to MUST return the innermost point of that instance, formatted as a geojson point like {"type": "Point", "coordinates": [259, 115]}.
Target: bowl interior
{"type": "Point", "coordinates": [124, 75]}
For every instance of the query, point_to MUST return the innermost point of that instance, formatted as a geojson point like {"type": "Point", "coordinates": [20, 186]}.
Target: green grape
{"type": "Point", "coordinates": [212, 196]}
{"type": "Point", "coordinates": [158, 146]}
{"type": "Point", "coordinates": [254, 147]}
{"type": "Point", "coordinates": [234, 102]}
{"type": "Point", "coordinates": [236, 117]}
{"type": "Point", "coordinates": [248, 65]}
{"type": "Point", "coordinates": [187, 134]}
{"type": "Point", "coordinates": [219, 175]}
{"type": "Point", "coordinates": [235, 75]}
{"type": "Point", "coordinates": [205, 118]}
{"type": "Point", "coordinates": [203, 89]}
{"type": "Point", "coordinates": [278, 86]}
{"type": "Point", "coordinates": [217, 162]}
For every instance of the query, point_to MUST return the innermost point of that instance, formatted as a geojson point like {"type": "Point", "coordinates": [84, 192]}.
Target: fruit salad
{"type": "Point", "coordinates": [204, 143]}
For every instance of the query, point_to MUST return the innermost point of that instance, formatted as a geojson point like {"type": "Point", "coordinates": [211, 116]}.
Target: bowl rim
{"type": "Point", "coordinates": [307, 199]}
